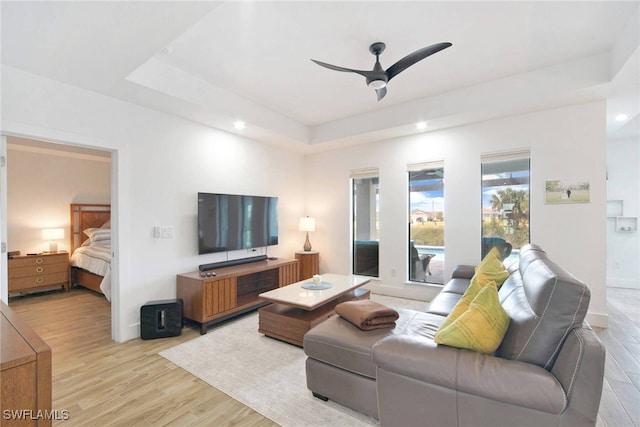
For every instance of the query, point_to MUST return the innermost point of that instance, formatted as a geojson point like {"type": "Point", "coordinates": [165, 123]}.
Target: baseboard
{"type": "Point", "coordinates": [597, 320]}
{"type": "Point", "coordinates": [132, 332]}
{"type": "Point", "coordinates": [623, 283]}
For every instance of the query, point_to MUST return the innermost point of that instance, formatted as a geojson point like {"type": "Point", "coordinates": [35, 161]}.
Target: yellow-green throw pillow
{"type": "Point", "coordinates": [463, 303]}
{"type": "Point", "coordinates": [481, 328]}
{"type": "Point", "coordinates": [490, 269]}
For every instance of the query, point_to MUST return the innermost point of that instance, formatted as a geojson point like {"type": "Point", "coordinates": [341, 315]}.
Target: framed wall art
{"type": "Point", "coordinates": [557, 191]}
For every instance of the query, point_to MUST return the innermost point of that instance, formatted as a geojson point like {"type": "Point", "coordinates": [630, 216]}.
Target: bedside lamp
{"type": "Point", "coordinates": [307, 224]}
{"type": "Point", "coordinates": [53, 235]}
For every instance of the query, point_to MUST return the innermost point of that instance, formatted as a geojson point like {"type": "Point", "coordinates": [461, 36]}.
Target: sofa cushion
{"type": "Point", "coordinates": [443, 303]}
{"type": "Point", "coordinates": [544, 302]}
{"type": "Point", "coordinates": [456, 286]}
{"type": "Point", "coordinates": [481, 327]}
{"type": "Point", "coordinates": [339, 343]}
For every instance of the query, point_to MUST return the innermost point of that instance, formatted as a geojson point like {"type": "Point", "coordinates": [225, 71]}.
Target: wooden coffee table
{"type": "Point", "coordinates": [295, 309]}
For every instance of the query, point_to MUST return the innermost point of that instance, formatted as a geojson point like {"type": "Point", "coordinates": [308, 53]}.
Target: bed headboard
{"type": "Point", "coordinates": [83, 216]}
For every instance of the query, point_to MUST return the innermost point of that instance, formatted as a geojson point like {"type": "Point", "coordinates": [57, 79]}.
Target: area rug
{"type": "Point", "coordinates": [263, 373]}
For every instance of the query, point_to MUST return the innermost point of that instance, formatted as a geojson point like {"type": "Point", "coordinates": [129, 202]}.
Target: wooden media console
{"type": "Point", "coordinates": [233, 290]}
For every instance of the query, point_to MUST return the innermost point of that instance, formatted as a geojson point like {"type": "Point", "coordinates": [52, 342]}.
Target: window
{"type": "Point", "coordinates": [365, 194]}
{"type": "Point", "coordinates": [426, 222]}
{"type": "Point", "coordinates": [505, 203]}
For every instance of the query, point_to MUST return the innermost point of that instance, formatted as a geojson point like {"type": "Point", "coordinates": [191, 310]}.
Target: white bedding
{"type": "Point", "coordinates": [96, 260]}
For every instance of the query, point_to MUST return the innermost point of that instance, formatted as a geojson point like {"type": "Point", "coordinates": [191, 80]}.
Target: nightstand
{"type": "Point", "coordinates": [309, 263]}
{"type": "Point", "coordinates": [28, 272]}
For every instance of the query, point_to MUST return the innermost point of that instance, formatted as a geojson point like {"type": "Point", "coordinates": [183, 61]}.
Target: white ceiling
{"type": "Point", "coordinates": [216, 62]}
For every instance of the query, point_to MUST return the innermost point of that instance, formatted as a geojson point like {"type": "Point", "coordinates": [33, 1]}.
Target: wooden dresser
{"type": "Point", "coordinates": [25, 373]}
{"type": "Point", "coordinates": [29, 272]}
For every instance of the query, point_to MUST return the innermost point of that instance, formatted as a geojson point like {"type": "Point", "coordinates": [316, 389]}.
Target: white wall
{"type": "Point", "coordinates": [566, 143]}
{"type": "Point", "coordinates": [623, 183]}
{"type": "Point", "coordinates": [41, 187]}
{"type": "Point", "coordinates": [160, 163]}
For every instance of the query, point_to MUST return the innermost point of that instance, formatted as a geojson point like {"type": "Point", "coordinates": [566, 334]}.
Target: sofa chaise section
{"type": "Point", "coordinates": [548, 369]}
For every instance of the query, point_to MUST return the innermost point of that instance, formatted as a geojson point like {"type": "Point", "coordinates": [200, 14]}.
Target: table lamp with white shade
{"type": "Point", "coordinates": [307, 224]}
{"type": "Point", "coordinates": [53, 235]}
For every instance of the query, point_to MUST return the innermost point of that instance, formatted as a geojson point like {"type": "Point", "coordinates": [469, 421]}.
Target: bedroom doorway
{"type": "Point", "coordinates": [40, 182]}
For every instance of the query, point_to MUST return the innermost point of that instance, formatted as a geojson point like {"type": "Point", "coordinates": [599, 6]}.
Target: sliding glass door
{"type": "Point", "coordinates": [426, 222]}
{"type": "Point", "coordinates": [365, 193]}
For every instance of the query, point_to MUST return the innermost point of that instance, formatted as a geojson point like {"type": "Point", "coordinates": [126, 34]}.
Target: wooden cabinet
{"type": "Point", "coordinates": [233, 290]}
{"type": "Point", "coordinates": [219, 296]}
{"type": "Point", "coordinates": [25, 373]}
{"type": "Point", "coordinates": [309, 263]}
{"type": "Point", "coordinates": [29, 272]}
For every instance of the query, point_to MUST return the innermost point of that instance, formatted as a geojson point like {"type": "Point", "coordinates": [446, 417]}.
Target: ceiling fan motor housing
{"type": "Point", "coordinates": [378, 77]}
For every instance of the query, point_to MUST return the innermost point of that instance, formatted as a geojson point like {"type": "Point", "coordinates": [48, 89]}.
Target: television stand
{"type": "Point", "coordinates": [233, 290]}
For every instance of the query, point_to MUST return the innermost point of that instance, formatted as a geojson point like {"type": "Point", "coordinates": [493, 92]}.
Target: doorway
{"type": "Point", "coordinates": [40, 181]}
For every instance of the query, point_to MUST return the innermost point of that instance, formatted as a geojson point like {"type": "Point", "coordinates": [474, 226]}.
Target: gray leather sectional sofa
{"type": "Point", "coordinates": [548, 370]}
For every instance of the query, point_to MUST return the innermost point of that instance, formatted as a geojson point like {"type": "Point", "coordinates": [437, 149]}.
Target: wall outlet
{"type": "Point", "coordinates": [393, 272]}
{"type": "Point", "coordinates": [166, 232]}
{"type": "Point", "coordinates": [162, 232]}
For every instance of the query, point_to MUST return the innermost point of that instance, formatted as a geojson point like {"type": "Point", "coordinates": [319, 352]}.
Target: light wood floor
{"type": "Point", "coordinates": [104, 383]}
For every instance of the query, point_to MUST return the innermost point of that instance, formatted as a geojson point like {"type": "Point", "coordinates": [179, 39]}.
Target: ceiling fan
{"type": "Point", "coordinates": [378, 77]}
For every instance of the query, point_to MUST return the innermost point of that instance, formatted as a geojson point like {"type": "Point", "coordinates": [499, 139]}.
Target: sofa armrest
{"type": "Point", "coordinates": [463, 272]}
{"type": "Point", "coordinates": [419, 358]}
{"type": "Point", "coordinates": [580, 369]}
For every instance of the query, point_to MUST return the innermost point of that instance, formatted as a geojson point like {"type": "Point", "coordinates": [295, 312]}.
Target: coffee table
{"type": "Point", "coordinates": [296, 309]}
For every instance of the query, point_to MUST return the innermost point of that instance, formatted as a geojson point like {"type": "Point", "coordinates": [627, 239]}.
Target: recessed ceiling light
{"type": "Point", "coordinates": [239, 124]}
{"type": "Point", "coordinates": [421, 125]}
{"type": "Point", "coordinates": [621, 117]}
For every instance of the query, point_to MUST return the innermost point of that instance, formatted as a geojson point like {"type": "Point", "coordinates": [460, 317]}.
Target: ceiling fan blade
{"type": "Point", "coordinates": [381, 93]}
{"type": "Point", "coordinates": [414, 57]}
{"type": "Point", "coordinates": [347, 70]}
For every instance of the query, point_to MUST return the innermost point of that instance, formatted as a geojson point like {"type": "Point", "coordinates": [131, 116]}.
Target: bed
{"type": "Point", "coordinates": [91, 247]}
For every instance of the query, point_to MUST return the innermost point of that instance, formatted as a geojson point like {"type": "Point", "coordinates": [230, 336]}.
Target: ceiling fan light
{"type": "Point", "coordinates": [377, 84]}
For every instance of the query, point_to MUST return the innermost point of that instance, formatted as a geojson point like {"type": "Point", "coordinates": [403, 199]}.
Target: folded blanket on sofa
{"type": "Point", "coordinates": [367, 314]}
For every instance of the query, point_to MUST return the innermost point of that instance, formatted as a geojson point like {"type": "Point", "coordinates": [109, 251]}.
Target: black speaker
{"type": "Point", "coordinates": [161, 319]}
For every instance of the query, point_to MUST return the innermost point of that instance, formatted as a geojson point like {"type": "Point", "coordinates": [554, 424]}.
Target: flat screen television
{"type": "Point", "coordinates": [229, 222]}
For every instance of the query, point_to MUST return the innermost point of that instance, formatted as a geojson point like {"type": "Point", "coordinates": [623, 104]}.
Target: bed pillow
{"type": "Point", "coordinates": [481, 328]}
{"type": "Point", "coordinates": [99, 236]}
{"type": "Point", "coordinates": [106, 224]}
